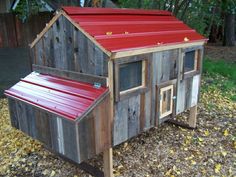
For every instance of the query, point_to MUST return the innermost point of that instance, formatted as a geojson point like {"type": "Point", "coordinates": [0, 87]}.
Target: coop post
{"type": "Point", "coordinates": [192, 121]}
{"type": "Point", "coordinates": [108, 163]}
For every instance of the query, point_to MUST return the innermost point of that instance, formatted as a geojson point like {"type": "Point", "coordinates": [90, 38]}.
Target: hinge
{"type": "Point", "coordinates": [97, 85]}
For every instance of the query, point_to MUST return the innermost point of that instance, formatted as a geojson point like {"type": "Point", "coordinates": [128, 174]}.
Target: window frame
{"type": "Point", "coordinates": [120, 95]}
{"type": "Point", "coordinates": [197, 61]}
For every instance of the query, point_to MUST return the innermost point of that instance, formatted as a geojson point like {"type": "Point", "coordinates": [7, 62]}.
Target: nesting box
{"type": "Point", "coordinates": [102, 76]}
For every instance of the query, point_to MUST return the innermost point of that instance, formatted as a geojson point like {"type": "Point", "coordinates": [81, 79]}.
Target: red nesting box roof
{"type": "Point", "coordinates": [64, 97]}
{"type": "Point", "coordinates": [126, 29]}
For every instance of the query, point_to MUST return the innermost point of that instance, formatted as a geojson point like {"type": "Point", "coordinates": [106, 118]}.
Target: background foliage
{"type": "Point", "coordinates": [25, 8]}
{"type": "Point", "coordinates": [206, 16]}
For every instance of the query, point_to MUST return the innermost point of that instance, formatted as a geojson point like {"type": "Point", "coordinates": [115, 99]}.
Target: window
{"type": "Point", "coordinates": [190, 61]}
{"type": "Point", "coordinates": [166, 101]}
{"type": "Point", "coordinates": [130, 75]}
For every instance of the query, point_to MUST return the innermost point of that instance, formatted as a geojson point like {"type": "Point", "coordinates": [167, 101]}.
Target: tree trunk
{"type": "Point", "coordinates": [229, 30]}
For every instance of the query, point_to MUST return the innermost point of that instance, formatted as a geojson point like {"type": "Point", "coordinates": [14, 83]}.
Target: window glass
{"type": "Point", "coordinates": [189, 61]}
{"type": "Point", "coordinates": [130, 75]}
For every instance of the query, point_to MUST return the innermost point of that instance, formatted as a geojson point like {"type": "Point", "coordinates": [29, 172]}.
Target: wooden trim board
{"type": "Point", "coordinates": [108, 163]}
{"type": "Point", "coordinates": [122, 54]}
{"type": "Point", "coordinates": [192, 121]}
{"type": "Point", "coordinates": [70, 75]}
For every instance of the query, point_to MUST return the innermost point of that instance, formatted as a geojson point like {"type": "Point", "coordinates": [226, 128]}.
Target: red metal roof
{"type": "Point", "coordinates": [64, 97]}
{"type": "Point", "coordinates": [126, 29]}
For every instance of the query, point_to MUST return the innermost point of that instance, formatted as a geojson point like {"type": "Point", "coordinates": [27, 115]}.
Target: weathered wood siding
{"type": "Point", "coordinates": [187, 93]}
{"type": "Point", "coordinates": [57, 133]}
{"type": "Point", "coordinates": [76, 140]}
{"type": "Point", "coordinates": [140, 112]}
{"type": "Point", "coordinates": [63, 46]}
{"type": "Point", "coordinates": [94, 131]}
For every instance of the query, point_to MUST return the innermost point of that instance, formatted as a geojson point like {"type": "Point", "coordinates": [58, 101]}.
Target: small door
{"type": "Point", "coordinates": [166, 100]}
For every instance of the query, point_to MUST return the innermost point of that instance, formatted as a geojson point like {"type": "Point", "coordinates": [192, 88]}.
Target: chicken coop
{"type": "Point", "coordinates": [102, 76]}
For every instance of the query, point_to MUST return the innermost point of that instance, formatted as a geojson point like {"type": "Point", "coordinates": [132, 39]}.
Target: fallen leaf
{"type": "Point", "coordinates": [226, 132]}
{"type": "Point", "coordinates": [206, 132]}
{"type": "Point", "coordinates": [224, 153]}
{"type": "Point", "coordinates": [217, 168]}
{"type": "Point", "coordinates": [52, 173]}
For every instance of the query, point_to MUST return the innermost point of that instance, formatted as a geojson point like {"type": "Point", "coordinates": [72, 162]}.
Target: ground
{"type": "Point", "coordinates": [168, 150]}
{"type": "Point", "coordinates": [216, 51]}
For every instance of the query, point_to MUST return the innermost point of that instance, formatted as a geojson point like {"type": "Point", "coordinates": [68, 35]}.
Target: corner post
{"type": "Point", "coordinates": [108, 163]}
{"type": "Point", "coordinates": [192, 121]}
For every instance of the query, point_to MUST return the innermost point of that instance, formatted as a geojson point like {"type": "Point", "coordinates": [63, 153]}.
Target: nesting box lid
{"type": "Point", "coordinates": [67, 98]}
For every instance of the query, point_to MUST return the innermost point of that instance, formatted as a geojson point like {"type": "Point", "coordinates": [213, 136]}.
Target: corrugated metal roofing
{"type": "Point", "coordinates": [64, 97]}
{"type": "Point", "coordinates": [126, 29]}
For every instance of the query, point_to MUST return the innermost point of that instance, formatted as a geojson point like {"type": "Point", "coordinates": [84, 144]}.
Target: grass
{"type": "Point", "coordinates": [221, 67]}
{"type": "Point", "coordinates": [220, 75]}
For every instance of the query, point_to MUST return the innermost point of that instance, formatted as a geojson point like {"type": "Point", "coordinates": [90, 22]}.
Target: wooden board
{"type": "Point", "coordinates": [70, 75]}
{"type": "Point", "coordinates": [64, 47]}
{"type": "Point", "coordinates": [195, 90]}
{"type": "Point", "coordinates": [120, 126]}
{"type": "Point", "coordinates": [154, 49]}
{"type": "Point", "coordinates": [78, 141]}
{"type": "Point", "coordinates": [57, 133]}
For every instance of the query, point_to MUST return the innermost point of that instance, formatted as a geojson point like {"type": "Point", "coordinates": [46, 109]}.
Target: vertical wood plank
{"type": "Point", "coordinates": [57, 27]}
{"type": "Point", "coordinates": [86, 132]}
{"type": "Point", "coordinates": [142, 112]}
{"type": "Point", "coordinates": [108, 163]}
{"type": "Point", "coordinates": [120, 133]}
{"type": "Point", "coordinates": [165, 66]}
{"type": "Point", "coordinates": [30, 120]}
{"type": "Point", "coordinates": [82, 51]}
{"type": "Point", "coordinates": [188, 92]}
{"type": "Point", "coordinates": [148, 106]}
{"type": "Point", "coordinates": [98, 61]}
{"type": "Point", "coordinates": [69, 134]}
{"type": "Point", "coordinates": [133, 116]}
{"type": "Point", "coordinates": [54, 133]}
{"type": "Point", "coordinates": [195, 90]}
{"type": "Point", "coordinates": [91, 57]}
{"type": "Point", "coordinates": [180, 102]}
{"type": "Point", "coordinates": [43, 127]}
{"type": "Point", "coordinates": [76, 50]}
{"type": "Point", "coordinates": [21, 113]}
{"type": "Point", "coordinates": [192, 121]}
{"type": "Point", "coordinates": [102, 125]}
{"type": "Point", "coordinates": [157, 72]}
{"type": "Point", "coordinates": [13, 113]}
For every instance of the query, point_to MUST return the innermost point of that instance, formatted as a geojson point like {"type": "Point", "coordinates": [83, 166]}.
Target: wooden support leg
{"type": "Point", "coordinates": [192, 121]}
{"type": "Point", "coordinates": [108, 163]}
